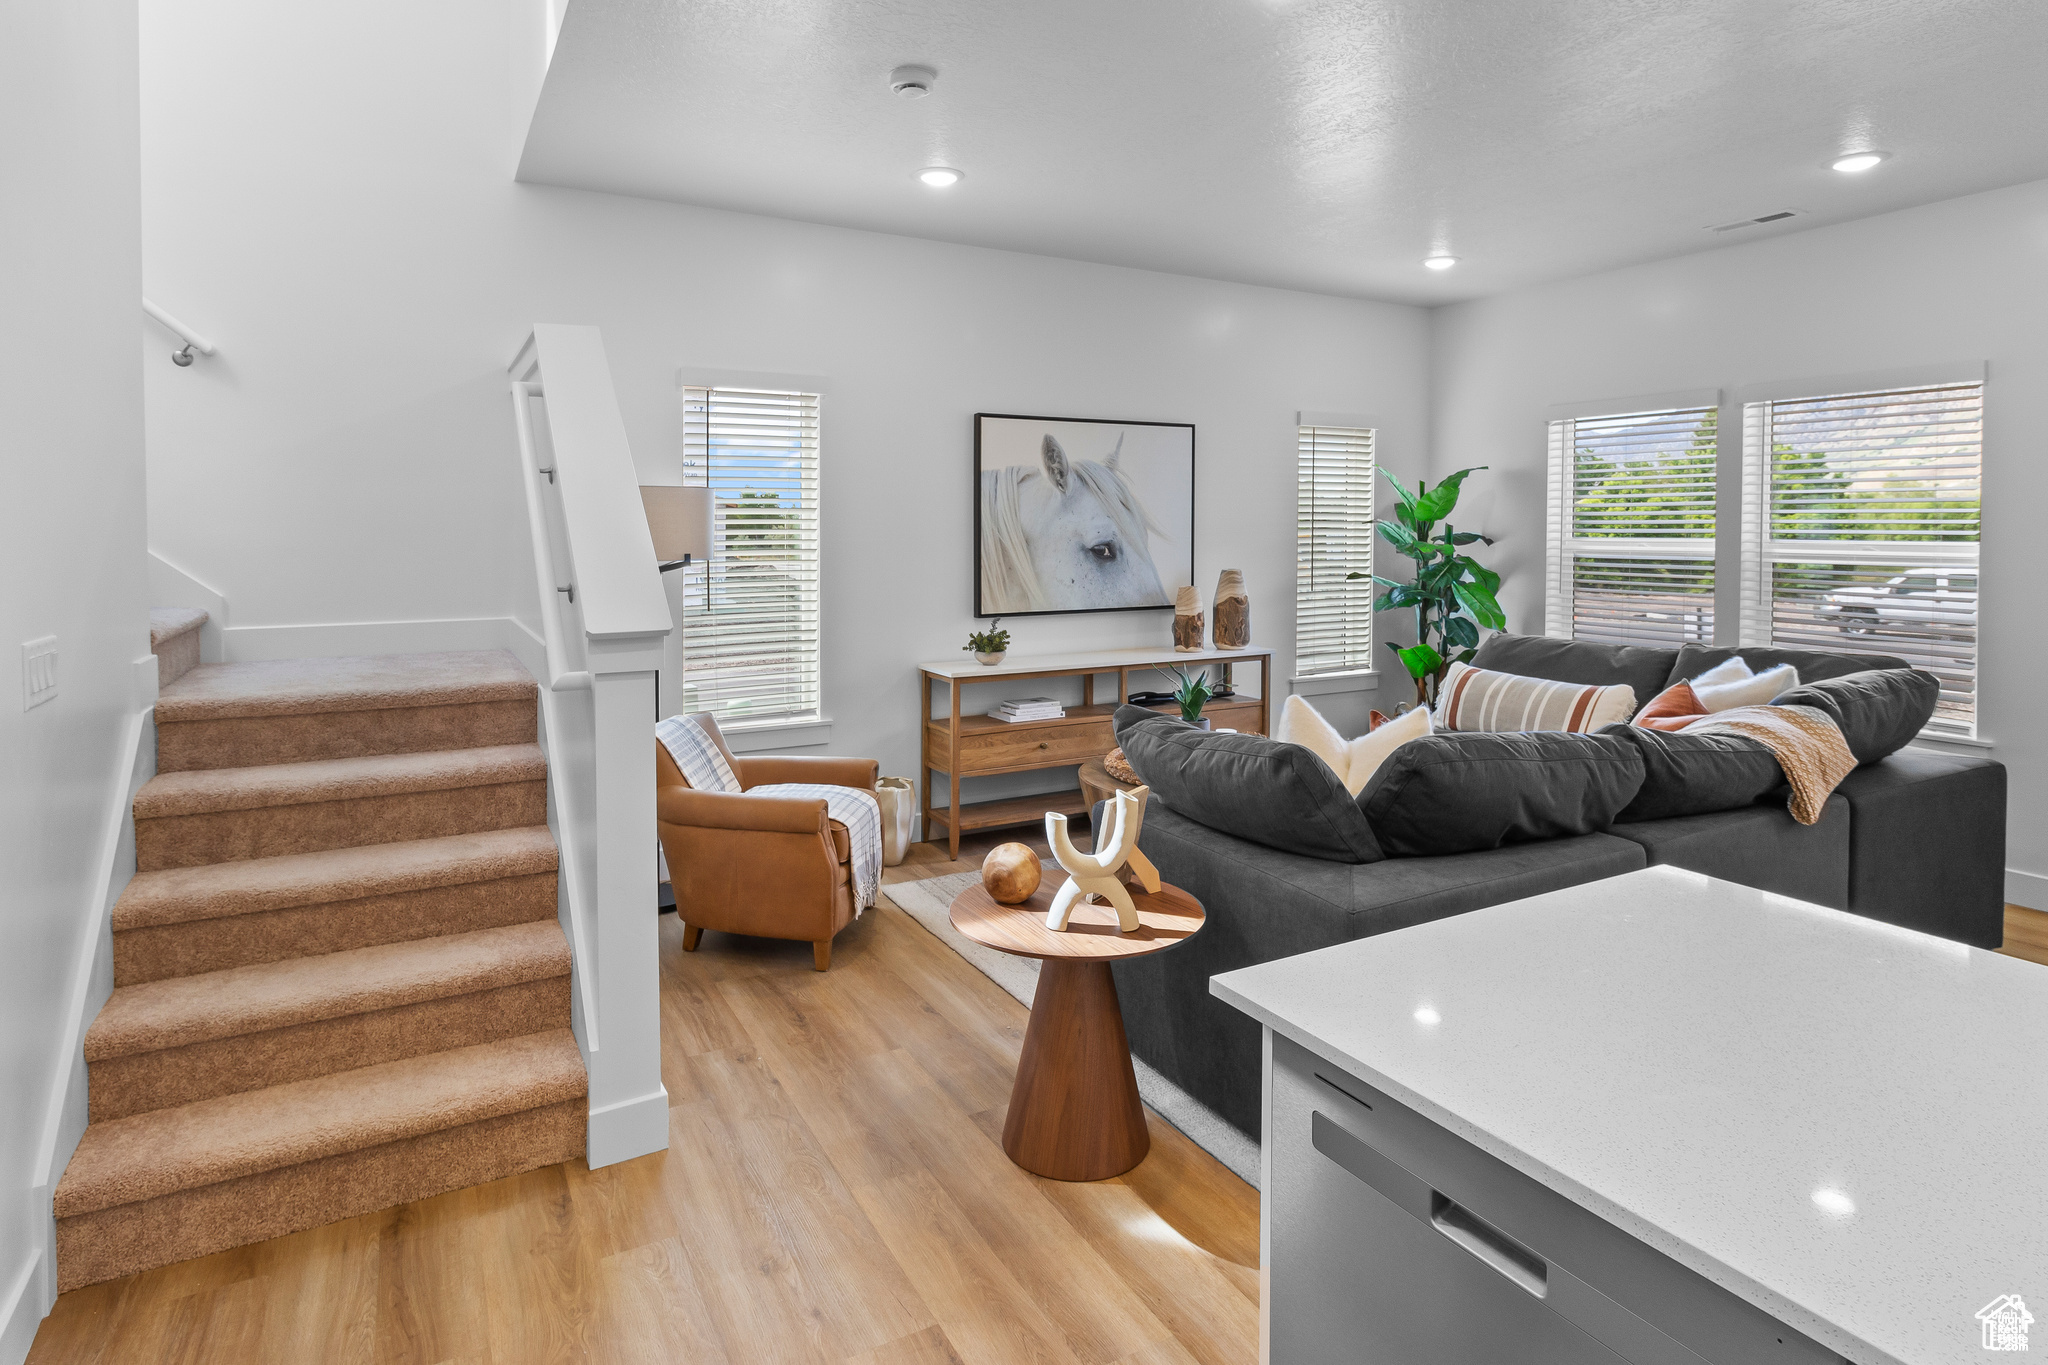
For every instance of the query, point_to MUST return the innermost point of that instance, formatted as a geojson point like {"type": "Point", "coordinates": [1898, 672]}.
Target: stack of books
{"type": "Point", "coordinates": [1028, 708]}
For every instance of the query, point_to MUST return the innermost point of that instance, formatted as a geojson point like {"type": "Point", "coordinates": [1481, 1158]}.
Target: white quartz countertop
{"type": "Point", "coordinates": [1843, 1122]}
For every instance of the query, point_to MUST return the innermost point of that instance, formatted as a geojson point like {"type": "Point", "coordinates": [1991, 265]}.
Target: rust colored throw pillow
{"type": "Point", "coordinates": [1672, 709]}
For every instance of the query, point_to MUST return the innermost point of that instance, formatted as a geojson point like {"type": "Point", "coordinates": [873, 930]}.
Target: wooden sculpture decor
{"type": "Point", "coordinates": [1233, 612]}
{"type": "Point", "coordinates": [1099, 876]}
{"type": "Point", "coordinates": [1010, 873]}
{"type": "Point", "coordinates": [1187, 621]}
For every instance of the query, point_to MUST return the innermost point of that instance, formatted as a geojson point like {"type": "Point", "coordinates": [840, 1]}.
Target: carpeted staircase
{"type": "Point", "coordinates": [339, 983]}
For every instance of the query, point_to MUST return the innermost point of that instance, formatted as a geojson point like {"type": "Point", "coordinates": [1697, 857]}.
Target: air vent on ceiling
{"type": "Point", "coordinates": [1780, 216]}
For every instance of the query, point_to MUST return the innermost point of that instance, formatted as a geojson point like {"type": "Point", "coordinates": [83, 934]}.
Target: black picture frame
{"type": "Point", "coordinates": [984, 609]}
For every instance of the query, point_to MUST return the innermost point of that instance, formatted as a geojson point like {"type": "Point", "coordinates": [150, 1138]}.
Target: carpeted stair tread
{"type": "Point", "coordinates": [180, 895]}
{"type": "Point", "coordinates": [168, 623]}
{"type": "Point", "coordinates": [283, 687]}
{"type": "Point", "coordinates": [149, 1155]}
{"type": "Point", "coordinates": [209, 790]}
{"type": "Point", "coordinates": [240, 1000]}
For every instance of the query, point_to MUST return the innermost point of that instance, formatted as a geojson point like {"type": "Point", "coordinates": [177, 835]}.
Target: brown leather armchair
{"type": "Point", "coordinates": [771, 866]}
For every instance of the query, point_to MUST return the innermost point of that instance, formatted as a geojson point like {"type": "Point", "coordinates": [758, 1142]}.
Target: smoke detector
{"type": "Point", "coordinates": [912, 82]}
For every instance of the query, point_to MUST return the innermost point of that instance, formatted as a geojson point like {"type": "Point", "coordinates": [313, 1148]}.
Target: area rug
{"type": "Point", "coordinates": [929, 903]}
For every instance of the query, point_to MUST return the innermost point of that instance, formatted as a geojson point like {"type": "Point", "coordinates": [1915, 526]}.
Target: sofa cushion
{"type": "Point", "coordinates": [1638, 667]}
{"type": "Point", "coordinates": [1487, 699]}
{"type": "Point", "coordinates": [1760, 846]}
{"type": "Point", "coordinates": [1456, 793]}
{"type": "Point", "coordinates": [1879, 711]}
{"type": "Point", "coordinates": [1275, 794]}
{"type": "Point", "coordinates": [1263, 904]}
{"type": "Point", "coordinates": [1927, 844]}
{"type": "Point", "coordinates": [1687, 774]}
{"type": "Point", "coordinates": [1813, 665]}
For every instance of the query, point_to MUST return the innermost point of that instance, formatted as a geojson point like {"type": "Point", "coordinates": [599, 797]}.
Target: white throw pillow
{"type": "Point", "coordinates": [1353, 760]}
{"type": "Point", "coordinates": [1729, 670]}
{"type": "Point", "coordinates": [1302, 724]}
{"type": "Point", "coordinates": [1759, 689]}
{"type": "Point", "coordinates": [1368, 752]}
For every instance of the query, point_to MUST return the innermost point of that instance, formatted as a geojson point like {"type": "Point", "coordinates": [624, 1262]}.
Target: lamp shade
{"type": "Point", "coordinates": [679, 519]}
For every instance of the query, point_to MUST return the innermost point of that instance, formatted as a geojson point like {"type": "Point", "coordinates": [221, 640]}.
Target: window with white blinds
{"type": "Point", "coordinates": [1860, 530]}
{"type": "Point", "coordinates": [1631, 528]}
{"type": "Point", "coordinates": [750, 620]}
{"type": "Point", "coordinates": [1333, 531]}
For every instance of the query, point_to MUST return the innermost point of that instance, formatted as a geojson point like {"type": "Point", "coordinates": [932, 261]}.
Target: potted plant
{"type": "Point", "coordinates": [1190, 695]}
{"type": "Point", "coordinates": [1452, 594]}
{"type": "Point", "coordinates": [989, 645]}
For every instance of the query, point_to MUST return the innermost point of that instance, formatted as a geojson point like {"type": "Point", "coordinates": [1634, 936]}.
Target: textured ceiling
{"type": "Point", "coordinates": [1304, 143]}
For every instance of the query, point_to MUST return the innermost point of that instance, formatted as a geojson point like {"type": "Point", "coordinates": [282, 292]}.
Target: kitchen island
{"type": "Point", "coordinates": [1655, 1118]}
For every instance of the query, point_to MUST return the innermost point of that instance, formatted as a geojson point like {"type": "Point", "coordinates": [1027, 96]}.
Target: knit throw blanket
{"type": "Point", "coordinates": [1806, 742]}
{"type": "Point", "coordinates": [862, 816]}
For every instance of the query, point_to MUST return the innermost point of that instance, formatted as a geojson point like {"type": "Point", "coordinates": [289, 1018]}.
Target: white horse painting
{"type": "Point", "coordinates": [1070, 535]}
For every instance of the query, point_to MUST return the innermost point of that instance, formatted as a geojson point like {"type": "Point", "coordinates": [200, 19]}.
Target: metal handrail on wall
{"type": "Point", "coordinates": [193, 341]}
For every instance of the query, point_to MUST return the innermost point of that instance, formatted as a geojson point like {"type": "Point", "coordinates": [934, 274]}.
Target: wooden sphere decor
{"type": "Point", "coordinates": [1010, 873]}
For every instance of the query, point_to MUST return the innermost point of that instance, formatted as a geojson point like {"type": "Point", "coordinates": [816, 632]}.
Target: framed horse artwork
{"type": "Point", "coordinates": [1075, 514]}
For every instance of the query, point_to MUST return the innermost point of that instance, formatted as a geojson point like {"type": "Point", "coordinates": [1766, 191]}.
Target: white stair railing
{"type": "Point", "coordinates": [604, 618]}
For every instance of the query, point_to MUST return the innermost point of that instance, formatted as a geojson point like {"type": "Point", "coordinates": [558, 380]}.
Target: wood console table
{"type": "Point", "coordinates": [958, 746]}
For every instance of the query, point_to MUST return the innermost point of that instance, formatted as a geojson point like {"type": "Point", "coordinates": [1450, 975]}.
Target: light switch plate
{"type": "Point", "coordinates": [38, 671]}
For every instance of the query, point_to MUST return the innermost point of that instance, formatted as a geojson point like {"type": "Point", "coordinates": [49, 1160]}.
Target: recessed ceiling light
{"type": "Point", "coordinates": [939, 177]}
{"type": "Point", "coordinates": [1441, 262]}
{"type": "Point", "coordinates": [1858, 162]}
{"type": "Point", "coordinates": [1426, 1015]}
{"type": "Point", "coordinates": [1835, 1202]}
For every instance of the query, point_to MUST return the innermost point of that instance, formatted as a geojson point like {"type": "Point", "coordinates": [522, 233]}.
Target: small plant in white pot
{"type": "Point", "coordinates": [1191, 695]}
{"type": "Point", "coordinates": [989, 645]}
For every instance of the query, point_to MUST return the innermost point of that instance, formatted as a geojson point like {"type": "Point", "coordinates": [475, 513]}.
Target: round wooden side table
{"type": "Point", "coordinates": [1074, 1111]}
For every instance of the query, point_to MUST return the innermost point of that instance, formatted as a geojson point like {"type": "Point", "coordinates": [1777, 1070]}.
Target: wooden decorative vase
{"type": "Point", "coordinates": [1187, 621]}
{"type": "Point", "coordinates": [1233, 612]}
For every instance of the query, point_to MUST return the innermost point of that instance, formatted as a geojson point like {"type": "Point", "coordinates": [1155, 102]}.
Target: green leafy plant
{"type": "Point", "coordinates": [990, 641]}
{"type": "Point", "coordinates": [1452, 594]}
{"type": "Point", "coordinates": [1191, 694]}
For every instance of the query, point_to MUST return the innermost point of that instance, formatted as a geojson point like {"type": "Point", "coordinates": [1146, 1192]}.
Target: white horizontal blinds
{"type": "Point", "coordinates": [1871, 529]}
{"type": "Point", "coordinates": [751, 623]}
{"type": "Point", "coordinates": [1632, 549]}
{"type": "Point", "coordinates": [1333, 531]}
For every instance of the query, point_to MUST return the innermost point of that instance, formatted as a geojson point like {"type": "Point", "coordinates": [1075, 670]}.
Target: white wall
{"type": "Point", "coordinates": [1963, 280]}
{"type": "Point", "coordinates": [71, 548]}
{"type": "Point", "coordinates": [347, 229]}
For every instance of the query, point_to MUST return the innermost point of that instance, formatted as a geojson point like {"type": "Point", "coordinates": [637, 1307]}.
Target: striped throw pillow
{"type": "Point", "coordinates": [1481, 699]}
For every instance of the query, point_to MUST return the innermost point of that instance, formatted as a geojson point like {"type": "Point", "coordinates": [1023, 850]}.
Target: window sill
{"type": "Point", "coordinates": [1364, 680]}
{"type": "Point", "coordinates": [776, 734]}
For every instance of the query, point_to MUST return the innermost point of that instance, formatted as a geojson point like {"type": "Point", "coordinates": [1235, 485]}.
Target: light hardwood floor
{"type": "Point", "coordinates": [834, 1191]}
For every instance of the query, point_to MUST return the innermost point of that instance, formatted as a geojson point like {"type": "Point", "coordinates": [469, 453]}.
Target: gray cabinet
{"type": "Point", "coordinates": [1395, 1242]}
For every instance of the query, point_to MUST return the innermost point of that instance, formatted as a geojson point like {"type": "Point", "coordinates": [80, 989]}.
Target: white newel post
{"type": "Point", "coordinates": [612, 591]}
{"type": "Point", "coordinates": [628, 1103]}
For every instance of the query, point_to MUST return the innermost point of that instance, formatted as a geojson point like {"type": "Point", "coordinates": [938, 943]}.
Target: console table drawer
{"type": "Point", "coordinates": [1035, 746]}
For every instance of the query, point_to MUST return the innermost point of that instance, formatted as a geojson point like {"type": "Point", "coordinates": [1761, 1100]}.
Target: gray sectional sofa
{"type": "Point", "coordinates": [1917, 839]}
